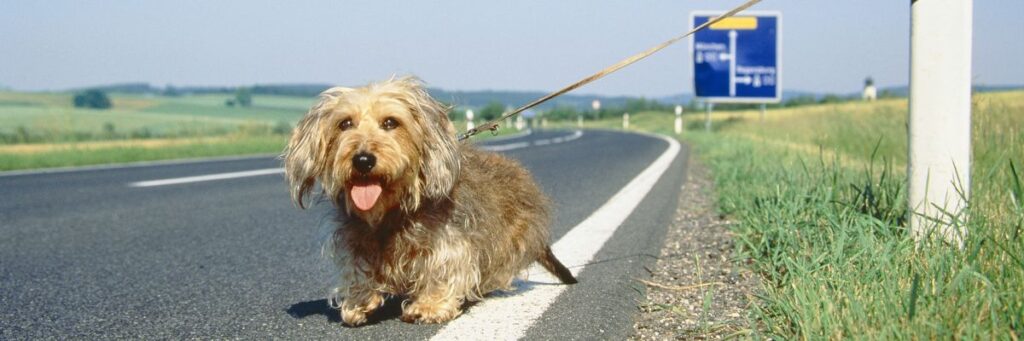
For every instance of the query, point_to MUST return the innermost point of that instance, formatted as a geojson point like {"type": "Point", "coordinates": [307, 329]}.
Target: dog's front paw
{"type": "Point", "coordinates": [355, 309]}
{"type": "Point", "coordinates": [353, 317]}
{"type": "Point", "coordinates": [431, 312]}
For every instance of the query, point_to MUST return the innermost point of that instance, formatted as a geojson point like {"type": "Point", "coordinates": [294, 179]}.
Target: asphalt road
{"type": "Point", "coordinates": [84, 255]}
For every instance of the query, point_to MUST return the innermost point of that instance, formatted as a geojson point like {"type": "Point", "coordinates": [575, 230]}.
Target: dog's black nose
{"type": "Point", "coordinates": [364, 162]}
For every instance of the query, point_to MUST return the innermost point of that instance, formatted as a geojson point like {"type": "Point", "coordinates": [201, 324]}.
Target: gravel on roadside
{"type": "Point", "coordinates": [697, 290]}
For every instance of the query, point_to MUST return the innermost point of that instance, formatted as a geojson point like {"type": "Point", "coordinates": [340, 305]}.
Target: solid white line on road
{"type": "Point", "coordinates": [209, 177]}
{"type": "Point", "coordinates": [508, 316]}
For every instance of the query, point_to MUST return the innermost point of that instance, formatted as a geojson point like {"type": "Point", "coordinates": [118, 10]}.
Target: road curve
{"type": "Point", "coordinates": [84, 254]}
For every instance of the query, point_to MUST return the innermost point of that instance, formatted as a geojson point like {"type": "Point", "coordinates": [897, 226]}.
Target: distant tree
{"type": "Point", "coordinates": [492, 110]}
{"type": "Point", "coordinates": [243, 97]}
{"type": "Point", "coordinates": [886, 93]}
{"type": "Point", "coordinates": [171, 91]}
{"type": "Point", "coordinates": [109, 130]}
{"type": "Point", "coordinates": [92, 98]}
{"type": "Point", "coordinates": [800, 100]}
{"type": "Point", "coordinates": [229, 102]}
{"type": "Point", "coordinates": [282, 128]}
{"type": "Point", "coordinates": [562, 112]}
{"type": "Point", "coordinates": [831, 98]}
{"type": "Point", "coordinates": [643, 104]}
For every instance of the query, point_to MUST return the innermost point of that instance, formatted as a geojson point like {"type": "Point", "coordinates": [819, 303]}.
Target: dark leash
{"type": "Point", "coordinates": [492, 125]}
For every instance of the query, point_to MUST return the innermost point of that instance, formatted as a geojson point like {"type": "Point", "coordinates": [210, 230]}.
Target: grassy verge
{"type": "Point", "coordinates": [81, 155]}
{"type": "Point", "coordinates": [819, 197]}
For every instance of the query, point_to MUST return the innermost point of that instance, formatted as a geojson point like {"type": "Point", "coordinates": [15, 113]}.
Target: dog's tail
{"type": "Point", "coordinates": [549, 262]}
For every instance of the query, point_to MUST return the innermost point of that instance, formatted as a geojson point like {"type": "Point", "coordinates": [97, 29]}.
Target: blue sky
{"type": "Point", "coordinates": [829, 46]}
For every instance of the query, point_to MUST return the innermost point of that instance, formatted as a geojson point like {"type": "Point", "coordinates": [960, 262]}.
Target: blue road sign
{"type": "Point", "coordinates": [738, 59]}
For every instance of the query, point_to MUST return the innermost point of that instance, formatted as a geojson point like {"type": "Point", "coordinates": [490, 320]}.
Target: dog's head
{"type": "Point", "coordinates": [376, 148]}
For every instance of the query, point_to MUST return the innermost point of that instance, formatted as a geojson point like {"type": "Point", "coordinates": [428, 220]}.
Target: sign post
{"type": "Point", "coordinates": [738, 59]}
{"type": "Point", "coordinates": [679, 119]}
{"type": "Point", "coordinates": [469, 119]}
{"type": "Point", "coordinates": [708, 106]}
{"type": "Point", "coordinates": [939, 125]}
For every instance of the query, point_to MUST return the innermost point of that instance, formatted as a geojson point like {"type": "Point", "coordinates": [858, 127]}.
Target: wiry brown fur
{"type": "Point", "coordinates": [452, 223]}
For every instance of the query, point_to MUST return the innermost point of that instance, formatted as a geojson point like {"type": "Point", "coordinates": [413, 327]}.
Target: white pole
{"type": "Point", "coordinates": [469, 119]}
{"type": "Point", "coordinates": [763, 110]}
{"type": "Point", "coordinates": [625, 121]}
{"type": "Point", "coordinates": [940, 118]}
{"type": "Point", "coordinates": [679, 119]}
{"type": "Point", "coordinates": [519, 123]}
{"type": "Point", "coordinates": [707, 115]}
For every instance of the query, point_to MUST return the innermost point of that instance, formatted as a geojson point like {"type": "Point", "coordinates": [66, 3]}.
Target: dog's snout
{"type": "Point", "coordinates": [364, 162]}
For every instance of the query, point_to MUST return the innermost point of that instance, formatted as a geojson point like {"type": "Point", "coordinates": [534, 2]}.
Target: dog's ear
{"type": "Point", "coordinates": [306, 154]}
{"type": "Point", "coordinates": [439, 164]}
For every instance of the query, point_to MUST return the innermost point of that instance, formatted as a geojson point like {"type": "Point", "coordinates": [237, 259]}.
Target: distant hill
{"type": "Point", "coordinates": [473, 99]}
{"type": "Point", "coordinates": [686, 98]}
{"type": "Point", "coordinates": [477, 99]}
{"type": "Point", "coordinates": [124, 88]}
{"type": "Point", "coordinates": [904, 91]}
{"type": "Point", "coordinates": [517, 98]}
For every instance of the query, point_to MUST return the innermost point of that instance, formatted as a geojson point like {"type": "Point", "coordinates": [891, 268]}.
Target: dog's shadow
{"type": "Point", "coordinates": [392, 309]}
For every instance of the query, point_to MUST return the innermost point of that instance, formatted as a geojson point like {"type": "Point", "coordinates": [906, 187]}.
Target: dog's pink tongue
{"type": "Point", "coordinates": [364, 196]}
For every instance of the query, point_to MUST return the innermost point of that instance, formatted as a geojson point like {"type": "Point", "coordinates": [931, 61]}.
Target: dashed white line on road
{"type": "Point", "coordinates": [508, 316]}
{"type": "Point", "coordinates": [209, 177]}
{"type": "Point", "coordinates": [504, 147]}
{"type": "Point", "coordinates": [268, 171]}
{"type": "Point", "coordinates": [541, 142]}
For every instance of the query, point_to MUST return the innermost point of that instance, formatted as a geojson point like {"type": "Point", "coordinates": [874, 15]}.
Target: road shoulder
{"type": "Point", "coordinates": [696, 289]}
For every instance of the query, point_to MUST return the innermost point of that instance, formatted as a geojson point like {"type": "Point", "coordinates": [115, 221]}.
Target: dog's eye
{"type": "Point", "coordinates": [345, 124]}
{"type": "Point", "coordinates": [389, 123]}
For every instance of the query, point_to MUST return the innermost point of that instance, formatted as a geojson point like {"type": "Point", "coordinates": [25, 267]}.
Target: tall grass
{"type": "Point", "coordinates": [819, 194]}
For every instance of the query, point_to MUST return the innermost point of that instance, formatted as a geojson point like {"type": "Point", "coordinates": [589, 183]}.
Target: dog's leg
{"type": "Point", "coordinates": [435, 307]}
{"type": "Point", "coordinates": [360, 302]}
{"type": "Point", "coordinates": [360, 298]}
{"type": "Point", "coordinates": [450, 275]}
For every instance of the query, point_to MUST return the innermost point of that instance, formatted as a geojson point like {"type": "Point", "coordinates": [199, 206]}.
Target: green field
{"type": "Point", "coordinates": [40, 130]}
{"type": "Point", "coordinates": [818, 194]}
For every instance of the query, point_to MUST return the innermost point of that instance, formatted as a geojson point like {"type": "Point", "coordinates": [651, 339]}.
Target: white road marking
{"type": "Point", "coordinates": [541, 142]}
{"type": "Point", "coordinates": [139, 164]}
{"type": "Point", "coordinates": [267, 171]}
{"type": "Point", "coordinates": [512, 136]}
{"type": "Point", "coordinates": [209, 177]}
{"type": "Point", "coordinates": [504, 147]}
{"type": "Point", "coordinates": [508, 316]}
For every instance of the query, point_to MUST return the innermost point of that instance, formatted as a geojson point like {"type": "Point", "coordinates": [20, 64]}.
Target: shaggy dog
{"type": "Point", "coordinates": [420, 214]}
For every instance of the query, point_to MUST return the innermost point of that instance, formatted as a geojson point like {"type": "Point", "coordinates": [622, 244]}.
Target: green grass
{"type": "Point", "coordinates": [256, 113]}
{"type": "Point", "coordinates": [818, 194]}
{"type": "Point", "coordinates": [57, 124]}
{"type": "Point", "coordinates": [190, 148]}
{"type": "Point", "coordinates": [41, 130]}
{"type": "Point", "coordinates": [49, 117]}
